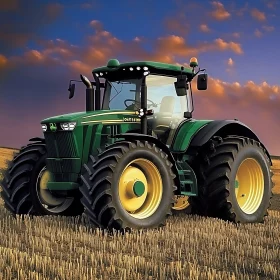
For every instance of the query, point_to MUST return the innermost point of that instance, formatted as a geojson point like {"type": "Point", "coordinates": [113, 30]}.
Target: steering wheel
{"type": "Point", "coordinates": [151, 104]}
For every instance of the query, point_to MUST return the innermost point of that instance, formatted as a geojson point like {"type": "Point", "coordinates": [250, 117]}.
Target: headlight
{"type": "Point", "coordinates": [68, 126]}
{"type": "Point", "coordinates": [44, 127]}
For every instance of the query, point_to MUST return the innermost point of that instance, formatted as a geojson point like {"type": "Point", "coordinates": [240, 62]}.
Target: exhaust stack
{"type": "Point", "coordinates": [89, 94]}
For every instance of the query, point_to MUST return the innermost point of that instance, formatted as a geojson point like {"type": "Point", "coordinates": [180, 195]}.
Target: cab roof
{"type": "Point", "coordinates": [114, 65]}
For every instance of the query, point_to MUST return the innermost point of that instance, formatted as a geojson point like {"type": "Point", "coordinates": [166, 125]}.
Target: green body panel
{"type": "Point", "coordinates": [186, 133]}
{"type": "Point", "coordinates": [69, 150]}
{"type": "Point", "coordinates": [82, 118]}
{"type": "Point", "coordinates": [114, 65]}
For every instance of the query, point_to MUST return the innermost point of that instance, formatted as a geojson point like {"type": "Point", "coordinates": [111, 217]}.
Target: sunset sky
{"type": "Point", "coordinates": [44, 44]}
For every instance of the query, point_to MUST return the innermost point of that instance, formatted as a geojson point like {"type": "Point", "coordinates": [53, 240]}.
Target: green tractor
{"type": "Point", "coordinates": [136, 155]}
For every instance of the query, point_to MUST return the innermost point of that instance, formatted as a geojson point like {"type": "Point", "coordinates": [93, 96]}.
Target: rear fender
{"type": "Point", "coordinates": [220, 128]}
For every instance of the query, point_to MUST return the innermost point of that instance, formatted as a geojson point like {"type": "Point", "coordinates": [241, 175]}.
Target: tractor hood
{"type": "Point", "coordinates": [85, 118]}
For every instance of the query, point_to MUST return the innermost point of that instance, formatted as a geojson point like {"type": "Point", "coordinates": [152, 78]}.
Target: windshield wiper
{"type": "Point", "coordinates": [118, 92]}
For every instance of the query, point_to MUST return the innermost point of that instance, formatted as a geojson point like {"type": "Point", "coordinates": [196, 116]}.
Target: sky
{"type": "Point", "coordinates": [44, 44]}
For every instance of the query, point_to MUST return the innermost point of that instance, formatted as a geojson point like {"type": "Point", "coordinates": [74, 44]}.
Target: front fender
{"type": "Point", "coordinates": [37, 139]}
{"type": "Point", "coordinates": [144, 137]}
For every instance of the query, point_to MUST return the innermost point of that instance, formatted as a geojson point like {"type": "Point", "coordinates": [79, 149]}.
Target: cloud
{"type": "Point", "coordinates": [230, 66]}
{"type": "Point", "coordinates": [258, 15]}
{"type": "Point", "coordinates": [258, 33]}
{"type": "Point", "coordinates": [241, 11]}
{"type": "Point", "coordinates": [243, 102]}
{"type": "Point", "coordinates": [96, 24]}
{"type": "Point", "coordinates": [53, 10]}
{"type": "Point", "coordinates": [235, 47]}
{"type": "Point", "coordinates": [178, 24]}
{"type": "Point", "coordinates": [103, 45]}
{"type": "Point", "coordinates": [21, 23]}
{"type": "Point", "coordinates": [244, 94]}
{"type": "Point", "coordinates": [236, 34]}
{"type": "Point", "coordinates": [271, 4]}
{"type": "Point", "coordinates": [268, 28]}
{"type": "Point", "coordinates": [204, 28]}
{"type": "Point", "coordinates": [230, 62]}
{"type": "Point", "coordinates": [219, 12]}
{"type": "Point", "coordinates": [90, 5]}
{"type": "Point", "coordinates": [3, 61]}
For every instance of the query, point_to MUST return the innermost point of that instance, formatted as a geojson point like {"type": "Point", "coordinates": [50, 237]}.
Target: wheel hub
{"type": "Point", "coordinates": [138, 188]}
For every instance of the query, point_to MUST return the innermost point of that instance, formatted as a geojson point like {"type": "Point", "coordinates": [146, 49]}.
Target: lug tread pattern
{"type": "Point", "coordinates": [97, 184]}
{"type": "Point", "coordinates": [213, 166]}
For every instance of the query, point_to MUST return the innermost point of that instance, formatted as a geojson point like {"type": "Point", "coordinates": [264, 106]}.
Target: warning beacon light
{"type": "Point", "coordinates": [193, 62]}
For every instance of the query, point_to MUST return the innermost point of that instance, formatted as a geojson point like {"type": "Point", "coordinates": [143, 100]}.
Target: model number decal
{"type": "Point", "coordinates": [131, 120]}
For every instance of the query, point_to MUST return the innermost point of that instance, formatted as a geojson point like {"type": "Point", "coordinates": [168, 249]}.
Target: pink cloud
{"type": "Point", "coordinates": [258, 15]}
{"type": "Point", "coordinates": [204, 28]}
{"type": "Point", "coordinates": [219, 12]}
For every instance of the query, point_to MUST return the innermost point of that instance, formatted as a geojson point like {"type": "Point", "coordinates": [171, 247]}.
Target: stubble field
{"type": "Point", "coordinates": [189, 247]}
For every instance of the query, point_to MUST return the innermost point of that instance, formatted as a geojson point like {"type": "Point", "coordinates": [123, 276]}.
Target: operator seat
{"type": "Point", "coordinates": [163, 118]}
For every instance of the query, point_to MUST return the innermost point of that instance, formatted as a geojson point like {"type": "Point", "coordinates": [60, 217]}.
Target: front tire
{"type": "Point", "coordinates": [24, 186]}
{"type": "Point", "coordinates": [129, 185]}
{"type": "Point", "coordinates": [234, 180]}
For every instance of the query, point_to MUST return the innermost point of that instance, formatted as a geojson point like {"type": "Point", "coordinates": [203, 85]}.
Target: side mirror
{"type": "Point", "coordinates": [181, 85]}
{"type": "Point", "coordinates": [202, 81]}
{"type": "Point", "coordinates": [71, 90]}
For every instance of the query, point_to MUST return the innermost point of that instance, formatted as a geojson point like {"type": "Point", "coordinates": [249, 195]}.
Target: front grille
{"type": "Point", "coordinates": [54, 166]}
{"type": "Point", "coordinates": [66, 145]}
{"type": "Point", "coordinates": [61, 144]}
{"type": "Point", "coordinates": [50, 142]}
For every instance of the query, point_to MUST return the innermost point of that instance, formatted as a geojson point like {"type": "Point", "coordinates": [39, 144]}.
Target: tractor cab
{"type": "Point", "coordinates": [164, 109]}
{"type": "Point", "coordinates": [158, 94]}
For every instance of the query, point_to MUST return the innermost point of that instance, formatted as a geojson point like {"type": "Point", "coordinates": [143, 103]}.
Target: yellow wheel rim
{"type": "Point", "coordinates": [249, 185]}
{"type": "Point", "coordinates": [181, 202]}
{"type": "Point", "coordinates": [140, 188]}
{"type": "Point", "coordinates": [45, 195]}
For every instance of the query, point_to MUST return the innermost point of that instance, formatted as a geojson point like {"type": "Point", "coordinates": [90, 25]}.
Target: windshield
{"type": "Point", "coordinates": [161, 95]}
{"type": "Point", "coordinates": [162, 92]}
{"type": "Point", "coordinates": [123, 95]}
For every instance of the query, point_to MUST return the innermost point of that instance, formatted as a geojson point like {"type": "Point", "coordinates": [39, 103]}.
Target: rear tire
{"type": "Point", "coordinates": [20, 186]}
{"type": "Point", "coordinates": [109, 178]}
{"type": "Point", "coordinates": [234, 180]}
